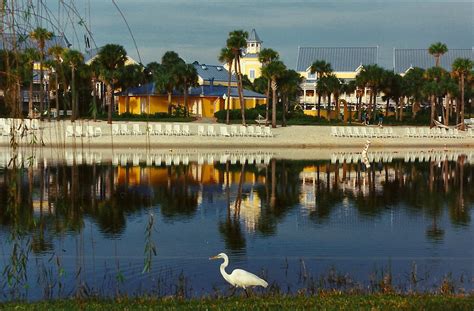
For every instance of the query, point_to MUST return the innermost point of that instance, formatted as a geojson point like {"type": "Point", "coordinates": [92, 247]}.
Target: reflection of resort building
{"type": "Point", "coordinates": [249, 210]}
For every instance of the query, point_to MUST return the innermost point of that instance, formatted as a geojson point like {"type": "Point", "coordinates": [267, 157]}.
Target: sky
{"type": "Point", "coordinates": [197, 30]}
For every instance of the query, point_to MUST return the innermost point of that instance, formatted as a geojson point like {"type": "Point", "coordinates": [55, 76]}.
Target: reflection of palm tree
{"type": "Point", "coordinates": [231, 229]}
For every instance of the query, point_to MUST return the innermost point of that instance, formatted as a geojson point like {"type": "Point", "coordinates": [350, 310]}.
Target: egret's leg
{"type": "Point", "coordinates": [246, 292]}
{"type": "Point", "coordinates": [233, 291]}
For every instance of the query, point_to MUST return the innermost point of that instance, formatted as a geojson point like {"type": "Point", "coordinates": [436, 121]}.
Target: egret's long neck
{"type": "Point", "coordinates": [223, 272]}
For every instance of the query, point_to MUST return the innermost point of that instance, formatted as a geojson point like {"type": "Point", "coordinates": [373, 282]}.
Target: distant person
{"type": "Point", "coordinates": [380, 119]}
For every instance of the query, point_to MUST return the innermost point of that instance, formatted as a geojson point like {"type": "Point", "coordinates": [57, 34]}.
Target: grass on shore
{"type": "Point", "coordinates": [321, 302]}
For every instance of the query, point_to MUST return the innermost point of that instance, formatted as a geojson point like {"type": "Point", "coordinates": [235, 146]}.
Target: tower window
{"type": "Point", "coordinates": [252, 74]}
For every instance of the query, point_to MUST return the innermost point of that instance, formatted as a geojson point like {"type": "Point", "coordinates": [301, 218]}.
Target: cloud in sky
{"type": "Point", "coordinates": [198, 29]}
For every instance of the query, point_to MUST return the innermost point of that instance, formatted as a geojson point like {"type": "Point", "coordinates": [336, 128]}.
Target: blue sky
{"type": "Point", "coordinates": [198, 29]}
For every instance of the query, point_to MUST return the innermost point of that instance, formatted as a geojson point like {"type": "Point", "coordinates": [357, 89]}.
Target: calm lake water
{"type": "Point", "coordinates": [139, 224]}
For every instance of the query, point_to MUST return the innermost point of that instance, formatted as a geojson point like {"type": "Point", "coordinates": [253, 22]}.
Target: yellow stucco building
{"type": "Point", "coordinates": [203, 101]}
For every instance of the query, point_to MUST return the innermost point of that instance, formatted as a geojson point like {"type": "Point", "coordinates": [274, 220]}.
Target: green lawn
{"type": "Point", "coordinates": [325, 302]}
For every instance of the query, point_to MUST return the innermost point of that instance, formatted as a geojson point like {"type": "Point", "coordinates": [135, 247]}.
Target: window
{"type": "Point", "coordinates": [252, 74]}
{"type": "Point", "coordinates": [311, 76]}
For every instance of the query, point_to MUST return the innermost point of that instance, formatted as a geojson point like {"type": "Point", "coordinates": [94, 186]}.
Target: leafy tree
{"type": "Point", "coordinates": [73, 59]}
{"type": "Point", "coordinates": [130, 76]}
{"type": "Point", "coordinates": [274, 70]}
{"type": "Point", "coordinates": [265, 57]}
{"type": "Point", "coordinates": [392, 89]}
{"type": "Point", "coordinates": [432, 88]}
{"type": "Point", "coordinates": [462, 68]}
{"type": "Point", "coordinates": [412, 85]}
{"type": "Point", "coordinates": [41, 35]}
{"type": "Point", "coordinates": [289, 83]}
{"type": "Point", "coordinates": [236, 42]}
{"type": "Point", "coordinates": [110, 59]}
{"type": "Point", "coordinates": [57, 52]}
{"type": "Point", "coordinates": [168, 79]}
{"type": "Point", "coordinates": [371, 76]}
{"type": "Point", "coordinates": [437, 49]}
{"type": "Point", "coordinates": [188, 77]}
{"type": "Point", "coordinates": [321, 68]}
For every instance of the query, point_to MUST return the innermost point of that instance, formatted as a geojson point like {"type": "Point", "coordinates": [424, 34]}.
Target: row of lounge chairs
{"type": "Point", "coordinates": [435, 132]}
{"type": "Point", "coordinates": [362, 132]}
{"type": "Point", "coordinates": [80, 131]}
{"type": "Point", "coordinates": [233, 130]}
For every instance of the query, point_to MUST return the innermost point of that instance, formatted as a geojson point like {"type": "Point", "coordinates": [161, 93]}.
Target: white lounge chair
{"type": "Point", "coordinates": [149, 129]}
{"type": "Point", "coordinates": [79, 131]}
{"type": "Point", "coordinates": [158, 129]}
{"type": "Point", "coordinates": [168, 129]}
{"type": "Point", "coordinates": [177, 129]}
{"type": "Point", "coordinates": [136, 129]}
{"type": "Point", "coordinates": [124, 129]}
{"type": "Point", "coordinates": [89, 131]}
{"type": "Point", "coordinates": [267, 131]}
{"type": "Point", "coordinates": [69, 131]}
{"type": "Point", "coordinates": [115, 129]}
{"type": "Point", "coordinates": [334, 131]}
{"type": "Point", "coordinates": [210, 130]}
{"type": "Point", "coordinates": [97, 131]}
{"type": "Point", "coordinates": [201, 131]}
{"type": "Point", "coordinates": [234, 131]}
{"type": "Point", "coordinates": [242, 131]}
{"type": "Point", "coordinates": [250, 131]}
{"type": "Point", "coordinates": [258, 131]}
{"type": "Point", "coordinates": [185, 130]}
{"type": "Point", "coordinates": [224, 132]}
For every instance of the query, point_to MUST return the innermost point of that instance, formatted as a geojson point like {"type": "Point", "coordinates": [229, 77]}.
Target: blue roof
{"type": "Point", "coordinates": [407, 58]}
{"type": "Point", "coordinates": [341, 58]}
{"type": "Point", "coordinates": [213, 72]}
{"type": "Point", "coordinates": [203, 90]}
{"type": "Point", "coordinates": [253, 37]}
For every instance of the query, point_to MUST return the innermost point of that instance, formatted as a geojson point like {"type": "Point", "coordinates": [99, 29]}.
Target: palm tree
{"type": "Point", "coordinates": [349, 88]}
{"type": "Point", "coordinates": [111, 57]}
{"type": "Point", "coordinates": [57, 52]}
{"type": "Point", "coordinates": [432, 88]}
{"type": "Point", "coordinates": [73, 59]}
{"type": "Point", "coordinates": [437, 50]}
{"type": "Point", "coordinates": [41, 35]}
{"type": "Point", "coordinates": [188, 77]}
{"type": "Point", "coordinates": [274, 70]}
{"type": "Point", "coordinates": [333, 86]}
{"type": "Point", "coordinates": [130, 76]}
{"type": "Point", "coordinates": [94, 69]}
{"type": "Point", "coordinates": [29, 57]}
{"type": "Point", "coordinates": [371, 77]}
{"type": "Point", "coordinates": [392, 88]}
{"type": "Point", "coordinates": [321, 68]}
{"type": "Point", "coordinates": [265, 57]}
{"type": "Point", "coordinates": [168, 79]}
{"type": "Point", "coordinates": [227, 56]}
{"type": "Point", "coordinates": [461, 69]}
{"type": "Point", "coordinates": [236, 42]}
{"type": "Point", "coordinates": [289, 82]}
{"type": "Point", "coordinates": [413, 83]}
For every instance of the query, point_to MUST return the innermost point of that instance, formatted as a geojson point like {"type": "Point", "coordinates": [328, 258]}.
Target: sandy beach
{"type": "Point", "coordinates": [292, 142]}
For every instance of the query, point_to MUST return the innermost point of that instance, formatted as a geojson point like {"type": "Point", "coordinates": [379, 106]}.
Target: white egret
{"type": "Point", "coordinates": [239, 277]}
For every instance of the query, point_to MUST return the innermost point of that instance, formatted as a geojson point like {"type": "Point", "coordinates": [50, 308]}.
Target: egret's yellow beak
{"type": "Point", "coordinates": [213, 257]}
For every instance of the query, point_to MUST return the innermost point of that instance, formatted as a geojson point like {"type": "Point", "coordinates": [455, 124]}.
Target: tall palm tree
{"type": "Point", "coordinates": [94, 69]}
{"type": "Point", "coordinates": [227, 56]}
{"type": "Point", "coordinates": [371, 76]}
{"type": "Point", "coordinates": [29, 57]}
{"type": "Point", "coordinates": [168, 79]}
{"type": "Point", "coordinates": [461, 69]}
{"type": "Point", "coordinates": [437, 50]}
{"type": "Point", "coordinates": [41, 35]}
{"type": "Point", "coordinates": [130, 75]}
{"type": "Point", "coordinates": [334, 86]}
{"type": "Point", "coordinates": [321, 68]}
{"type": "Point", "coordinates": [412, 85]}
{"type": "Point", "coordinates": [73, 59]}
{"type": "Point", "coordinates": [188, 77]}
{"type": "Point", "coordinates": [236, 42]}
{"type": "Point", "coordinates": [111, 57]}
{"type": "Point", "coordinates": [265, 57]}
{"type": "Point", "coordinates": [289, 82]}
{"type": "Point", "coordinates": [432, 88]}
{"type": "Point", "coordinates": [57, 52]}
{"type": "Point", "coordinates": [274, 70]}
{"type": "Point", "coordinates": [391, 88]}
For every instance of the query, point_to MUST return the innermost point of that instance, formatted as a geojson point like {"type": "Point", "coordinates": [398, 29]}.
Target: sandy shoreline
{"type": "Point", "coordinates": [296, 142]}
